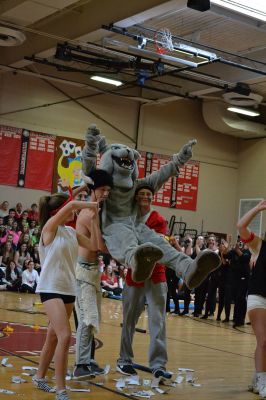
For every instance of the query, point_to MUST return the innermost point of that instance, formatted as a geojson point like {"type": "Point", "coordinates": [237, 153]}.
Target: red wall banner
{"type": "Point", "coordinates": [186, 186]}
{"type": "Point", "coordinates": [10, 142]}
{"type": "Point", "coordinates": [163, 196]}
{"type": "Point", "coordinates": [40, 161]}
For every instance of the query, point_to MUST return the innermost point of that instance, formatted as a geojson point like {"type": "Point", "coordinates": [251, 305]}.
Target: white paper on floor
{"type": "Point", "coordinates": [155, 382]}
{"type": "Point", "coordinates": [5, 364]}
{"type": "Point", "coordinates": [27, 368]}
{"type": "Point", "coordinates": [120, 384]}
{"type": "Point", "coordinates": [179, 379]}
{"type": "Point", "coordinates": [142, 393]}
{"type": "Point", "coordinates": [17, 379]}
{"type": "Point", "coordinates": [79, 390]}
{"type": "Point", "coordinates": [5, 391]}
{"type": "Point", "coordinates": [146, 382]}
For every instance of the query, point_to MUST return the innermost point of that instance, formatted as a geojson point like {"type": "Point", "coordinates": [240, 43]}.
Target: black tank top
{"type": "Point", "coordinates": [257, 282]}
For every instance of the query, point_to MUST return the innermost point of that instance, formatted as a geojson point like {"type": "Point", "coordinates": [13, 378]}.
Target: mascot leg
{"type": "Point", "coordinates": [122, 242]}
{"type": "Point", "coordinates": [192, 271]}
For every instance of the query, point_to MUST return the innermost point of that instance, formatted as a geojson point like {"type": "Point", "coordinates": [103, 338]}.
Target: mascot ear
{"type": "Point", "coordinates": [137, 155]}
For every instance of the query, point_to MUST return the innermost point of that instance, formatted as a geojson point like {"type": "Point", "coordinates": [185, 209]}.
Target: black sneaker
{"type": "Point", "coordinates": [161, 373]}
{"type": "Point", "coordinates": [83, 371]}
{"type": "Point", "coordinates": [95, 369]}
{"type": "Point", "coordinates": [126, 369]}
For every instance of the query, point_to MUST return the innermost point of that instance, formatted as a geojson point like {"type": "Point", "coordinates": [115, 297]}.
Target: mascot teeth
{"type": "Point", "coordinates": [123, 162]}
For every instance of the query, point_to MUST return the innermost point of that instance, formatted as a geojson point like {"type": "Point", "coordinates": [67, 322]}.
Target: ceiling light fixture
{"type": "Point", "coordinates": [106, 80]}
{"type": "Point", "coordinates": [244, 111]}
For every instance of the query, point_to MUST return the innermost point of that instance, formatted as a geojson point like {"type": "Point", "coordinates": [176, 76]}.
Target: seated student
{"type": "Point", "coordinates": [6, 254]}
{"type": "Point", "coordinates": [11, 214]}
{"type": "Point", "coordinates": [30, 278]}
{"type": "Point", "coordinates": [13, 277]}
{"type": "Point", "coordinates": [33, 213]}
{"type": "Point", "coordinates": [35, 256]}
{"type": "Point", "coordinates": [4, 209]}
{"type": "Point", "coordinates": [110, 282]}
{"type": "Point", "coordinates": [18, 209]}
{"type": "Point", "coordinates": [3, 284]}
{"type": "Point", "coordinates": [35, 236]}
{"type": "Point", "coordinates": [22, 253]}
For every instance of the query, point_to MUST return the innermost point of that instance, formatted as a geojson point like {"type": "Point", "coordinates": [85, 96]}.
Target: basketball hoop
{"type": "Point", "coordinates": [163, 41]}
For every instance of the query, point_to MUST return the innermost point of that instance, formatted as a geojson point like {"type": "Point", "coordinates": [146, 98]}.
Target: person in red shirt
{"type": "Point", "coordinates": [33, 213]}
{"type": "Point", "coordinates": [110, 282]}
{"type": "Point", "coordinates": [153, 291]}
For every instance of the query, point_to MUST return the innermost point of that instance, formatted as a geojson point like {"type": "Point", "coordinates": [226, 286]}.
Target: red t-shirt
{"type": "Point", "coordinates": [159, 224]}
{"type": "Point", "coordinates": [105, 278]}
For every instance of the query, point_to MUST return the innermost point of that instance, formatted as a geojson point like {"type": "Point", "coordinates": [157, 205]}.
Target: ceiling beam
{"type": "Point", "coordinates": [72, 26]}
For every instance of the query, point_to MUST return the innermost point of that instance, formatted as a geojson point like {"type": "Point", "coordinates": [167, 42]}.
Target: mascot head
{"type": "Point", "coordinates": [121, 162]}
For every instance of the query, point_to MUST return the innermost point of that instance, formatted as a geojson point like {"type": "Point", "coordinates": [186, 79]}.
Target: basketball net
{"type": "Point", "coordinates": [163, 41]}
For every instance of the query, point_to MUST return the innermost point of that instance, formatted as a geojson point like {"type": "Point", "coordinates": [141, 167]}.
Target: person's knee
{"type": "Point", "coordinates": [65, 337]}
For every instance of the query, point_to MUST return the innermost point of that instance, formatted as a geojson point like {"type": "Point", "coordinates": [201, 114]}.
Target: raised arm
{"type": "Point", "coordinates": [253, 241]}
{"type": "Point", "coordinates": [158, 178]}
{"type": "Point", "coordinates": [50, 228]}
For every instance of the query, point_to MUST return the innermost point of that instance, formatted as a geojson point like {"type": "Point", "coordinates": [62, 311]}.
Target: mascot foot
{"type": "Point", "coordinates": [205, 262]}
{"type": "Point", "coordinates": [144, 260]}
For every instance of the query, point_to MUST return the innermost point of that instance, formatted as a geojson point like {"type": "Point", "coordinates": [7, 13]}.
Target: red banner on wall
{"type": "Point", "coordinates": [187, 186]}
{"type": "Point", "coordinates": [142, 164]}
{"type": "Point", "coordinates": [40, 161]}
{"type": "Point", "coordinates": [163, 196]}
{"type": "Point", "coordinates": [10, 142]}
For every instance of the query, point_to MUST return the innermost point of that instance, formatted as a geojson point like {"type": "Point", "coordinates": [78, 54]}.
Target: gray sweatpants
{"type": "Point", "coordinates": [133, 305]}
{"type": "Point", "coordinates": [122, 240]}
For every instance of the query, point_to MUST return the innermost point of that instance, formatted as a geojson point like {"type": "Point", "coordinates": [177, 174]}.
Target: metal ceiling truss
{"type": "Point", "coordinates": [140, 64]}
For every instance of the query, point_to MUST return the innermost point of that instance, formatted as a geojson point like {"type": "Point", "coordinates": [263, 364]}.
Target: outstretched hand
{"type": "Point", "coordinates": [262, 205]}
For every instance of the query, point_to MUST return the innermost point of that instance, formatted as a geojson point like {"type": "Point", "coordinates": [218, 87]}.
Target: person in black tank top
{"type": "Point", "coordinates": [257, 295]}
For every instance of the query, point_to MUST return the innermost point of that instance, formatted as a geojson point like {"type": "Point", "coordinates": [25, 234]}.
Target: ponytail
{"type": "Point", "coordinates": [49, 203]}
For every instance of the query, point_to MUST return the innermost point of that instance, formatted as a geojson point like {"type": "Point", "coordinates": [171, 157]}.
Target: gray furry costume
{"type": "Point", "coordinates": [129, 241]}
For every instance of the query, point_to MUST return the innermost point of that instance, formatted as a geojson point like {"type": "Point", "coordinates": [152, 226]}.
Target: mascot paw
{"type": "Point", "coordinates": [144, 260]}
{"type": "Point", "coordinates": [185, 153]}
{"type": "Point", "coordinates": [205, 262]}
{"type": "Point", "coordinates": [92, 137]}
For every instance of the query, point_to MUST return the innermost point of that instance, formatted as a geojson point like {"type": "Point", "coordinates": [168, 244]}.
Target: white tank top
{"type": "Point", "coordinates": [58, 263]}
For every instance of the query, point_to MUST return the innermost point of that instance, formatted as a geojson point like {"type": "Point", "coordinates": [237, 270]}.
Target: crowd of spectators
{"type": "Point", "coordinates": [19, 255]}
{"type": "Point", "coordinates": [225, 286]}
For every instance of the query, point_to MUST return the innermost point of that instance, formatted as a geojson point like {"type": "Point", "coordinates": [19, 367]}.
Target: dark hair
{"type": "Point", "coordinates": [144, 186]}
{"type": "Point", "coordinates": [100, 178]}
{"type": "Point", "coordinates": [48, 204]}
{"type": "Point", "coordinates": [11, 209]}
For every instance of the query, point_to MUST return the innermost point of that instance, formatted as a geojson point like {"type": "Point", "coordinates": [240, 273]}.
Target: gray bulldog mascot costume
{"type": "Point", "coordinates": [128, 240]}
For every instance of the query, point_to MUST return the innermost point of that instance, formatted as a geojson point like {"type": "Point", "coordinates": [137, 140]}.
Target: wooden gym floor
{"type": "Point", "coordinates": [221, 356]}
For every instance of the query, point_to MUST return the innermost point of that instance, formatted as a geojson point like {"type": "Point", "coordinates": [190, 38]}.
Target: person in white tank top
{"type": "Point", "coordinates": [57, 283]}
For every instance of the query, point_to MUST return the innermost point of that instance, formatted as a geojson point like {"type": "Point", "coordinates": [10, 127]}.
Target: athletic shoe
{"type": "Point", "coordinates": [205, 262]}
{"type": "Point", "coordinates": [161, 373]}
{"type": "Point", "coordinates": [95, 369]}
{"type": "Point", "coordinates": [41, 383]}
{"type": "Point", "coordinates": [126, 369]}
{"type": "Point", "coordinates": [62, 395]}
{"type": "Point", "coordinates": [83, 371]}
